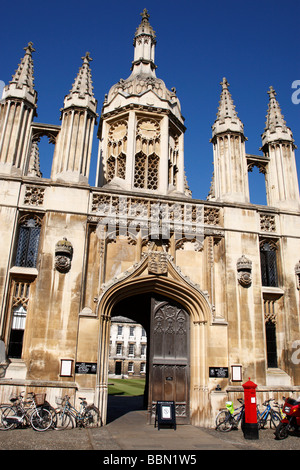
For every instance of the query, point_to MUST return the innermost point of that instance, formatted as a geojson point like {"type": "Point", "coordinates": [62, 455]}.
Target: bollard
{"type": "Point", "coordinates": [249, 423]}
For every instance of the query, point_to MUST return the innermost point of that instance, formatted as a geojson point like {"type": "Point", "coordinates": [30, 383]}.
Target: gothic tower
{"type": "Point", "coordinates": [141, 130]}
{"type": "Point", "coordinates": [71, 161]}
{"type": "Point", "coordinates": [230, 165]}
{"type": "Point", "coordinates": [17, 110]}
{"type": "Point", "coordinates": [278, 148]}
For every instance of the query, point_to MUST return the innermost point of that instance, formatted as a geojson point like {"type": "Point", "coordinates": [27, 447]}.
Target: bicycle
{"type": "Point", "coordinates": [280, 409]}
{"type": "Point", "coordinates": [229, 419]}
{"type": "Point", "coordinates": [67, 415]}
{"type": "Point", "coordinates": [268, 414]}
{"type": "Point", "coordinates": [23, 412]}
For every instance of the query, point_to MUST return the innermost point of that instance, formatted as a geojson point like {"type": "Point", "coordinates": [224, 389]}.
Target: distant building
{"type": "Point", "coordinates": [128, 348]}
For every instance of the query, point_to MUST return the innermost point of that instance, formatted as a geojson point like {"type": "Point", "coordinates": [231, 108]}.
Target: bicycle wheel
{"type": "Point", "coordinates": [41, 419]}
{"type": "Point", "coordinates": [262, 421]}
{"type": "Point", "coordinates": [91, 417]}
{"type": "Point", "coordinates": [275, 419]}
{"type": "Point", "coordinates": [7, 414]}
{"type": "Point", "coordinates": [223, 421]}
{"type": "Point", "coordinates": [62, 420]}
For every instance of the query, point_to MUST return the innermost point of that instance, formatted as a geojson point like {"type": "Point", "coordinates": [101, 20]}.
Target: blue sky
{"type": "Point", "coordinates": [254, 44]}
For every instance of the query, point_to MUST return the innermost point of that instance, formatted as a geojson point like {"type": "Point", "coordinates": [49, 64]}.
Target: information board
{"type": "Point", "coordinates": [86, 368]}
{"type": "Point", "coordinates": [218, 372]}
{"type": "Point", "coordinates": [165, 414]}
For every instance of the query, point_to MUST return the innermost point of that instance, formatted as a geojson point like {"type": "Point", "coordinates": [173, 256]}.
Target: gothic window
{"type": "Point", "coordinates": [271, 344]}
{"type": "Point", "coordinates": [28, 241]}
{"type": "Point", "coordinates": [116, 167]}
{"type": "Point", "coordinates": [152, 182]}
{"type": "Point", "coordinates": [268, 261]}
{"type": "Point", "coordinates": [140, 170]}
{"type": "Point", "coordinates": [111, 165]}
{"type": "Point", "coordinates": [19, 304]}
{"type": "Point", "coordinates": [270, 325]}
{"type": "Point", "coordinates": [146, 171]}
{"type": "Point", "coordinates": [121, 166]}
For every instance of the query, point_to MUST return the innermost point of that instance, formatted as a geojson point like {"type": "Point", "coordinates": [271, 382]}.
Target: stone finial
{"type": "Point", "coordinates": [145, 27]}
{"type": "Point", "coordinates": [227, 118]}
{"type": "Point", "coordinates": [145, 15]}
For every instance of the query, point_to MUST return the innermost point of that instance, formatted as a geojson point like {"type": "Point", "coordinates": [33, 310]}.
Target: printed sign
{"type": "Point", "coordinates": [165, 414]}
{"type": "Point", "coordinates": [218, 372]}
{"type": "Point", "coordinates": [86, 368]}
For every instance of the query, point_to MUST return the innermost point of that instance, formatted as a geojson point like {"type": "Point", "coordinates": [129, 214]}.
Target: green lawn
{"type": "Point", "coordinates": [126, 387]}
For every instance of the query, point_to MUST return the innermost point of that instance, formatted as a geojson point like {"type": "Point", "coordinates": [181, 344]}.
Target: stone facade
{"type": "Point", "coordinates": [73, 256]}
{"type": "Point", "coordinates": [128, 348]}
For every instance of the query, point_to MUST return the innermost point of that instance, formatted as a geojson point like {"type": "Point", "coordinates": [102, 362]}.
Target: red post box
{"type": "Point", "coordinates": [249, 425]}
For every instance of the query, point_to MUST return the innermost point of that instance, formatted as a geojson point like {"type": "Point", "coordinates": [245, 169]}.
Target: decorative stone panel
{"type": "Point", "coordinates": [34, 196]}
{"type": "Point", "coordinates": [267, 223]}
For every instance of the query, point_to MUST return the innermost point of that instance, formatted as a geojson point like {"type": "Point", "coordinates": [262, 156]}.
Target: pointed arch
{"type": "Point", "coordinates": [193, 300]}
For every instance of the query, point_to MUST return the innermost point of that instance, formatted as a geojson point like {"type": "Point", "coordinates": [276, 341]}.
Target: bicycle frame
{"type": "Point", "coordinates": [21, 412]}
{"type": "Point", "coordinates": [265, 413]}
{"type": "Point", "coordinates": [76, 415]}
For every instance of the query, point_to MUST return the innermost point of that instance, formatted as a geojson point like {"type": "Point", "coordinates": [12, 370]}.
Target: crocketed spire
{"type": "Point", "coordinates": [81, 93]}
{"type": "Point", "coordinates": [274, 117]}
{"type": "Point", "coordinates": [276, 128]}
{"type": "Point", "coordinates": [227, 118]}
{"type": "Point", "coordinates": [22, 83]}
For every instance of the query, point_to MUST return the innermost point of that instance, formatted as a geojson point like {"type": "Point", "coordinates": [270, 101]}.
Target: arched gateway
{"type": "Point", "coordinates": [174, 313]}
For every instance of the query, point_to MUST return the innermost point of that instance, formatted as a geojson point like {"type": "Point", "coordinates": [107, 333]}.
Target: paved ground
{"type": "Point", "coordinates": [128, 431]}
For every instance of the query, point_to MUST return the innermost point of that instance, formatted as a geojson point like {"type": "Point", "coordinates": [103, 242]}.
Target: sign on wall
{"type": "Point", "coordinates": [218, 372]}
{"type": "Point", "coordinates": [86, 367]}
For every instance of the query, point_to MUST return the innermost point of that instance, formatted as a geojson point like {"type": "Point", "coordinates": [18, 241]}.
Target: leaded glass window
{"type": "Point", "coordinates": [268, 259]}
{"type": "Point", "coordinates": [270, 324]}
{"type": "Point", "coordinates": [28, 242]}
{"type": "Point", "coordinates": [19, 304]}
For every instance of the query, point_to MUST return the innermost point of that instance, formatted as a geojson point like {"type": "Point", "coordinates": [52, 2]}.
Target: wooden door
{"type": "Point", "coordinates": [169, 357]}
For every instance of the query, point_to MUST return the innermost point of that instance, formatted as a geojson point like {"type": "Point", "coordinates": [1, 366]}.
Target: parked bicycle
{"type": "Point", "coordinates": [268, 415]}
{"type": "Point", "coordinates": [230, 418]}
{"type": "Point", "coordinates": [279, 408]}
{"type": "Point", "coordinates": [26, 411]}
{"type": "Point", "coordinates": [67, 415]}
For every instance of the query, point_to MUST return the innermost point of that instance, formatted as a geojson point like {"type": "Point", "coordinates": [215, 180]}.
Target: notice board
{"type": "Point", "coordinates": [165, 414]}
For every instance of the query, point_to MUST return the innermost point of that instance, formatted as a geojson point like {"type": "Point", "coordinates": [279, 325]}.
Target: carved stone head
{"type": "Point", "coordinates": [244, 270]}
{"type": "Point", "coordinates": [63, 255]}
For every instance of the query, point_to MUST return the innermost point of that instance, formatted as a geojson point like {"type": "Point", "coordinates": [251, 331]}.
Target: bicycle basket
{"type": "Point", "coordinates": [40, 398]}
{"type": "Point", "coordinates": [229, 406]}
